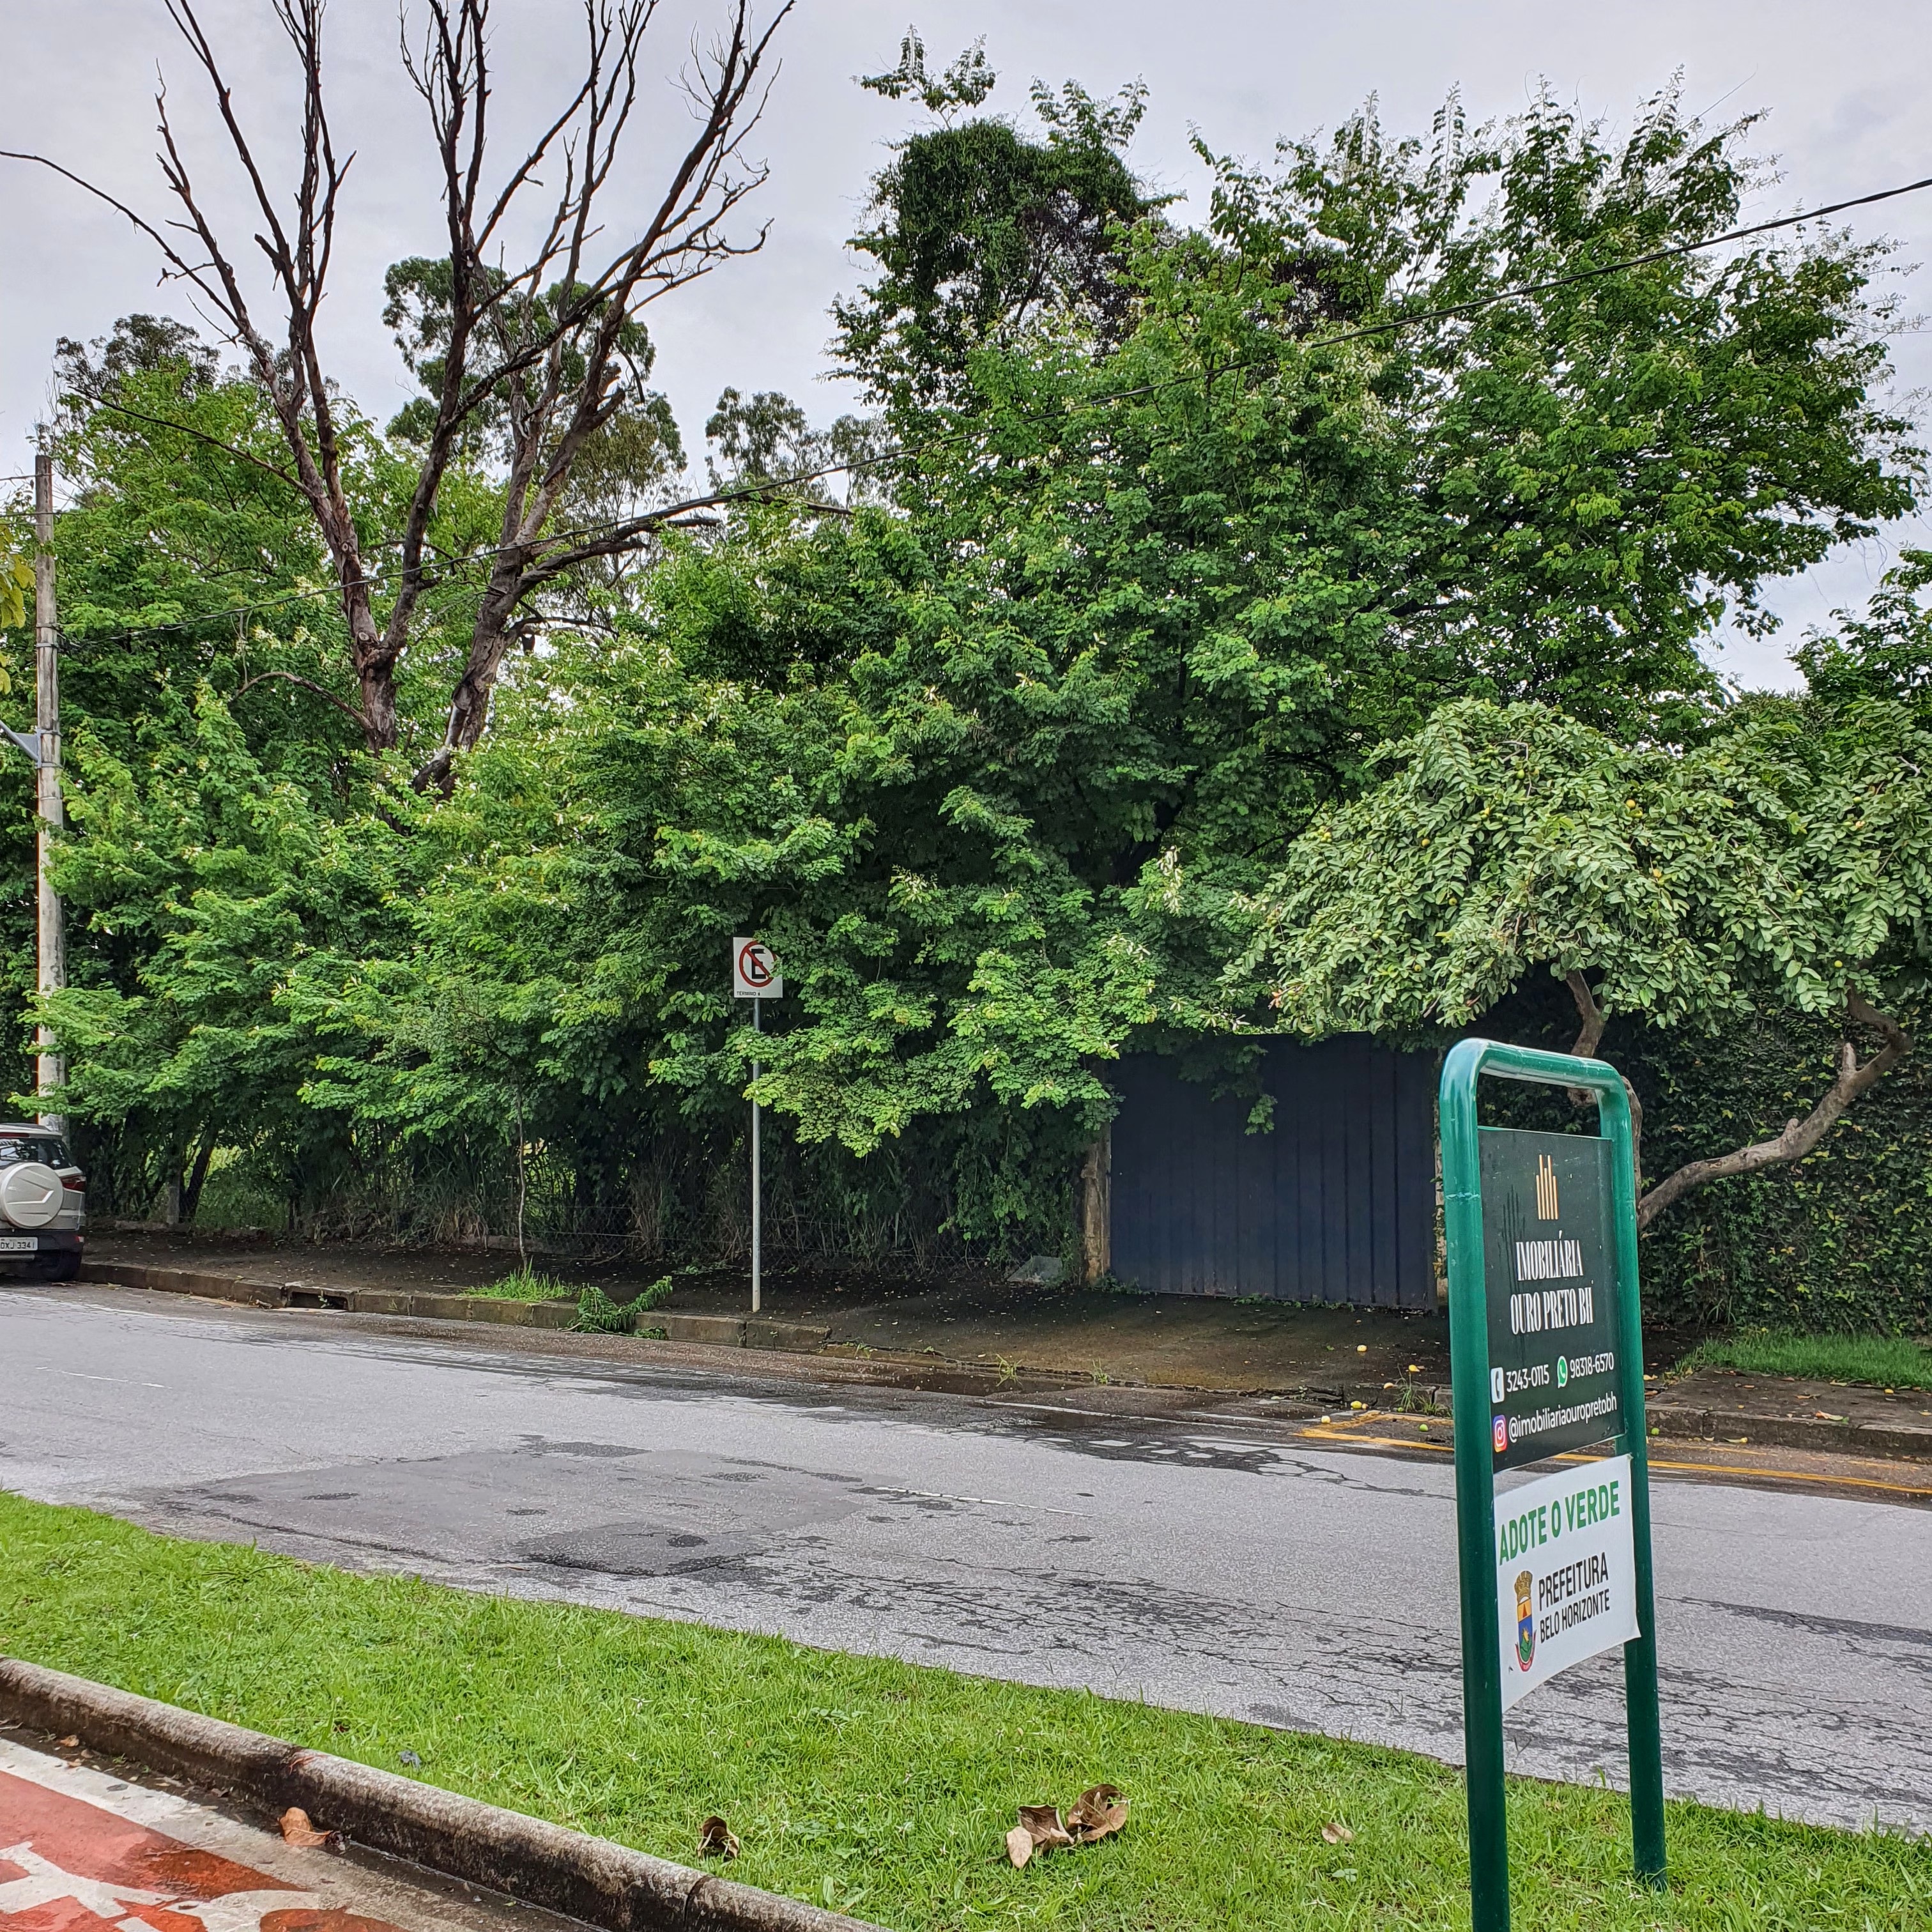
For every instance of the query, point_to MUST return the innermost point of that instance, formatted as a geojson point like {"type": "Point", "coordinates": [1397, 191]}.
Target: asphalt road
{"type": "Point", "coordinates": [1222, 1568]}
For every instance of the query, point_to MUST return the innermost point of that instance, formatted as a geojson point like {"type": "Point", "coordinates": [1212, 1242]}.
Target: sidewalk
{"type": "Point", "coordinates": [84, 1842]}
{"type": "Point", "coordinates": [970, 1318]}
{"type": "Point", "coordinates": [982, 1332]}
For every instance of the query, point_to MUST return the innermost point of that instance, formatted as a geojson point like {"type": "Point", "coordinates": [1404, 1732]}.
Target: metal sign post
{"type": "Point", "coordinates": [754, 977]}
{"type": "Point", "coordinates": [1545, 1341]}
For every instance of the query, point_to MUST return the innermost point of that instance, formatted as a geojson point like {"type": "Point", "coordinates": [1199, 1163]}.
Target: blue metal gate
{"type": "Point", "coordinates": [1336, 1203]}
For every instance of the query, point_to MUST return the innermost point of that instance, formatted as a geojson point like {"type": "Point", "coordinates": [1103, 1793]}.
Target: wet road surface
{"type": "Point", "coordinates": [1222, 1567]}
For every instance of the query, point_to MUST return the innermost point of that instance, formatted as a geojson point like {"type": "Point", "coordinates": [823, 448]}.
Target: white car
{"type": "Point", "coordinates": [43, 1203]}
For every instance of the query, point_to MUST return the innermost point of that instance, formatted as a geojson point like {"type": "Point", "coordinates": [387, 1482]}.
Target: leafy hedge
{"type": "Point", "coordinates": [1842, 1241]}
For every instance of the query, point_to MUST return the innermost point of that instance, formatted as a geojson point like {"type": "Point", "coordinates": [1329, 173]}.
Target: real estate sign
{"type": "Point", "coordinates": [1549, 1264]}
{"type": "Point", "coordinates": [1546, 1344]}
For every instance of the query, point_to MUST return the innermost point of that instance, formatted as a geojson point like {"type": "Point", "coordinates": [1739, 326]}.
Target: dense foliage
{"type": "Point", "coordinates": [1782, 863]}
{"type": "Point", "coordinates": [1194, 523]}
{"type": "Point", "coordinates": [1780, 869]}
{"type": "Point", "coordinates": [1842, 1243]}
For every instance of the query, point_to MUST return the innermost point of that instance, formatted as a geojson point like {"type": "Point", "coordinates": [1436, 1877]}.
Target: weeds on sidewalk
{"type": "Point", "coordinates": [525, 1284]}
{"type": "Point", "coordinates": [877, 1787]}
{"type": "Point", "coordinates": [597, 1314]}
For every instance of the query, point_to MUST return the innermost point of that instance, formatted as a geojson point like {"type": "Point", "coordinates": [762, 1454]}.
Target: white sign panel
{"type": "Point", "coordinates": [754, 973]}
{"type": "Point", "coordinates": [1566, 1571]}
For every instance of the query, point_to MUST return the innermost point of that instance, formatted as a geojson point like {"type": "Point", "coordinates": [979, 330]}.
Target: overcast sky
{"type": "Point", "coordinates": [1844, 88]}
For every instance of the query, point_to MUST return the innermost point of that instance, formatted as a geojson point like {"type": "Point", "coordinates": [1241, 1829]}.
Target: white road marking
{"type": "Point", "coordinates": [986, 1502]}
{"type": "Point", "coordinates": [124, 1380]}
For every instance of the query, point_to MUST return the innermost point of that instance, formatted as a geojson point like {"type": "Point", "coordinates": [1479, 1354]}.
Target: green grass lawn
{"type": "Point", "coordinates": [1881, 1360]}
{"type": "Point", "coordinates": [878, 1788]}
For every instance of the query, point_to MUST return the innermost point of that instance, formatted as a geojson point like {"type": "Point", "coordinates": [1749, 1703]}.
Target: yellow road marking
{"type": "Point", "coordinates": [1348, 1432]}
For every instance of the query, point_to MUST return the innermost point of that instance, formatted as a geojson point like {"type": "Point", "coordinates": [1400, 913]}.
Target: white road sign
{"type": "Point", "coordinates": [1566, 1571]}
{"type": "Point", "coordinates": [754, 973]}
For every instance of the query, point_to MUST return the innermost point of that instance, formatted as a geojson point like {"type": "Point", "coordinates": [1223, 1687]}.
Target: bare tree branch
{"type": "Point", "coordinates": [307, 684]}
{"type": "Point", "coordinates": [561, 355]}
{"type": "Point", "coordinates": [548, 352]}
{"type": "Point", "coordinates": [1854, 1079]}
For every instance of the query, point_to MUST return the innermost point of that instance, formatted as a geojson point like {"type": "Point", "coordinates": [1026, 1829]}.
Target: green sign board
{"type": "Point", "coordinates": [1545, 1346]}
{"type": "Point", "coordinates": [1549, 1263]}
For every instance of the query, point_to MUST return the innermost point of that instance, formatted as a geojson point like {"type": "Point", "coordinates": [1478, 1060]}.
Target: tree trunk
{"type": "Point", "coordinates": [1591, 1020]}
{"type": "Point", "coordinates": [469, 704]}
{"type": "Point", "coordinates": [191, 1195]}
{"type": "Point", "coordinates": [376, 677]}
{"type": "Point", "coordinates": [1096, 1194]}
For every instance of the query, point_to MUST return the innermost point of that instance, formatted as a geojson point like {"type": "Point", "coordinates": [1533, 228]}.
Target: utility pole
{"type": "Point", "coordinates": [52, 1072]}
{"type": "Point", "coordinates": [758, 1188]}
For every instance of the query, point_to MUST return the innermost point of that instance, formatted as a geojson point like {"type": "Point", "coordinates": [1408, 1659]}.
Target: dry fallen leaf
{"type": "Point", "coordinates": [1338, 1834]}
{"type": "Point", "coordinates": [65, 1744]}
{"type": "Point", "coordinates": [717, 1840]}
{"type": "Point", "coordinates": [1100, 1812]}
{"type": "Point", "coordinates": [1038, 1830]}
{"type": "Point", "coordinates": [1043, 1822]}
{"type": "Point", "coordinates": [296, 1829]}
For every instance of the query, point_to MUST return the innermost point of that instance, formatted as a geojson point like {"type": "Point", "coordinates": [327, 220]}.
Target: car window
{"type": "Point", "coordinates": [36, 1147]}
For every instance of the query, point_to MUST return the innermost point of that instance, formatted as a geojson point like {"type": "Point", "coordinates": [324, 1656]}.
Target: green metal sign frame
{"type": "Point", "coordinates": [1468, 1061]}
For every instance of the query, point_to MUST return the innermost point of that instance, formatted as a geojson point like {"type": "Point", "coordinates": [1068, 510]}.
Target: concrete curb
{"type": "Point", "coordinates": [593, 1879]}
{"type": "Point", "coordinates": [718, 1330]}
{"type": "Point", "coordinates": [1790, 1432]}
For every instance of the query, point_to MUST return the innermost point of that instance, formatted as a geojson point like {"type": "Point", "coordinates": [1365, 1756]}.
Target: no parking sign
{"type": "Point", "coordinates": [754, 973]}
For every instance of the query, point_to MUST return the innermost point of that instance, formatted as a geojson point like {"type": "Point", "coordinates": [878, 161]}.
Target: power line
{"type": "Point", "coordinates": [1452, 312]}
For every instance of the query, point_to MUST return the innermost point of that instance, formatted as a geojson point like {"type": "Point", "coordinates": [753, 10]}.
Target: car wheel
{"type": "Point", "coordinates": [58, 1267]}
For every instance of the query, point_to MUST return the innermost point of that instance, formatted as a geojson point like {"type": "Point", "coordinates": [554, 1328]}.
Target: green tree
{"type": "Point", "coordinates": [1192, 577]}
{"type": "Point", "coordinates": [203, 875]}
{"type": "Point", "coordinates": [981, 233]}
{"type": "Point", "coordinates": [1782, 865]}
{"type": "Point", "coordinates": [998, 767]}
{"type": "Point", "coordinates": [16, 582]}
{"type": "Point", "coordinates": [1885, 652]}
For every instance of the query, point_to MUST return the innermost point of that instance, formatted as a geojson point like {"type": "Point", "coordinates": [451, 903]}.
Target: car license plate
{"type": "Point", "coordinates": [20, 1244]}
